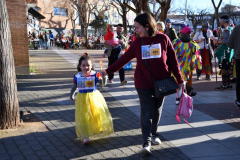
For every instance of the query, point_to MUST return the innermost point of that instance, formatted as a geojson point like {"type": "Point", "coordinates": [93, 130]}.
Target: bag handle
{"type": "Point", "coordinates": [146, 63]}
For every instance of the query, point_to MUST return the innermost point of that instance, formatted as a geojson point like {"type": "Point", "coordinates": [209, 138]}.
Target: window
{"type": "Point", "coordinates": [60, 11]}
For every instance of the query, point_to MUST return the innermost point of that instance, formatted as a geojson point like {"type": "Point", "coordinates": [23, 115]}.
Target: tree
{"type": "Point", "coordinates": [71, 12]}
{"type": "Point", "coordinates": [140, 6]}
{"type": "Point", "coordinates": [197, 18]}
{"type": "Point", "coordinates": [9, 106]}
{"type": "Point", "coordinates": [165, 6]}
{"type": "Point", "coordinates": [85, 8]}
{"type": "Point", "coordinates": [122, 11]}
{"type": "Point", "coordinates": [216, 11]}
{"type": "Point", "coordinates": [99, 23]}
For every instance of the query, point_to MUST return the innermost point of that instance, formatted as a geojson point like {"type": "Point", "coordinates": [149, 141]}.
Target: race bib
{"type": "Point", "coordinates": [84, 83]}
{"type": "Point", "coordinates": [151, 51]}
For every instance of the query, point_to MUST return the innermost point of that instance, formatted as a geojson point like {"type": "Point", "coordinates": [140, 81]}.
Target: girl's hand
{"type": "Point", "coordinates": [73, 100]}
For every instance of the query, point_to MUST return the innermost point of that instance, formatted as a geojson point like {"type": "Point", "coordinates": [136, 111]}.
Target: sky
{"type": "Point", "coordinates": [202, 4]}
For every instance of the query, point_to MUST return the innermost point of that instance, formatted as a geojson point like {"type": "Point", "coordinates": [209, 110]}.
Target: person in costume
{"type": "Point", "coordinates": [188, 56]}
{"type": "Point", "coordinates": [223, 53]}
{"type": "Point", "coordinates": [233, 42]}
{"type": "Point", "coordinates": [111, 40]}
{"type": "Point", "coordinates": [92, 117]}
{"type": "Point", "coordinates": [202, 37]}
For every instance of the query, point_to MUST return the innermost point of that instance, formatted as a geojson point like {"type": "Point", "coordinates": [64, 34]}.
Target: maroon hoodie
{"type": "Point", "coordinates": [161, 67]}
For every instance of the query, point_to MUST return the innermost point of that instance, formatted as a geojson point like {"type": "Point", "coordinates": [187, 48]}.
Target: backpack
{"type": "Point", "coordinates": [185, 107]}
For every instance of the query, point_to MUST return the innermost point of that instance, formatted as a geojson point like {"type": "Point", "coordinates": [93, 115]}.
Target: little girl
{"type": "Point", "coordinates": [92, 117]}
{"type": "Point", "coordinates": [111, 41]}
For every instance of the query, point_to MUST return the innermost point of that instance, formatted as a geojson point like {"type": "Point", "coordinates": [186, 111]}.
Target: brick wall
{"type": "Point", "coordinates": [18, 26]}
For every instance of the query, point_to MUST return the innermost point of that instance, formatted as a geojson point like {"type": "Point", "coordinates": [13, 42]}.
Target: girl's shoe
{"type": "Point", "coordinates": [86, 141]}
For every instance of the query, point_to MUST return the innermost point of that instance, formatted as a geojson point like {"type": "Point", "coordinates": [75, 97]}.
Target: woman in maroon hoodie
{"type": "Point", "coordinates": [161, 67]}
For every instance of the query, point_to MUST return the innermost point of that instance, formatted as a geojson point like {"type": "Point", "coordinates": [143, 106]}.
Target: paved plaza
{"type": "Point", "coordinates": [213, 132]}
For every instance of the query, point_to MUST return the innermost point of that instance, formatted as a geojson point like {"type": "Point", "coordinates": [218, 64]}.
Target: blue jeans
{"type": "Point", "coordinates": [40, 43]}
{"type": "Point", "coordinates": [46, 44]}
{"type": "Point", "coordinates": [151, 110]}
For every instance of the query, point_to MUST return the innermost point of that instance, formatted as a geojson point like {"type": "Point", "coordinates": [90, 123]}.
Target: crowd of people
{"type": "Point", "coordinates": [172, 54]}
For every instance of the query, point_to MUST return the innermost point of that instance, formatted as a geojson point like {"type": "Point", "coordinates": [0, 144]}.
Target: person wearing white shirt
{"type": "Point", "coordinates": [202, 38]}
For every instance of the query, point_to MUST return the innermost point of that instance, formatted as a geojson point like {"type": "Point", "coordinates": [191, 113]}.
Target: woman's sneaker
{"type": "Point", "coordinates": [222, 87]}
{"type": "Point", "coordinates": [237, 104]}
{"type": "Point", "coordinates": [146, 149]}
{"type": "Point", "coordinates": [156, 140]}
{"type": "Point", "coordinates": [123, 83]}
{"type": "Point", "coordinates": [86, 141]}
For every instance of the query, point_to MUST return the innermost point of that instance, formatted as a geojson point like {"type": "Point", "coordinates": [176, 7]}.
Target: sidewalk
{"type": "Point", "coordinates": [46, 95]}
{"type": "Point", "coordinates": [205, 138]}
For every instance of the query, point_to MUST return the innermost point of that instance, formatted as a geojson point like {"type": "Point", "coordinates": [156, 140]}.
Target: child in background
{"type": "Point", "coordinates": [111, 41]}
{"type": "Point", "coordinates": [92, 117]}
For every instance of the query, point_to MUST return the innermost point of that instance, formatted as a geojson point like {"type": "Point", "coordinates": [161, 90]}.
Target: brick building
{"type": "Point", "coordinates": [18, 26]}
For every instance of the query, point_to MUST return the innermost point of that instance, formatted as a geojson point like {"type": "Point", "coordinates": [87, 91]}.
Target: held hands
{"type": "Point", "coordinates": [103, 73]}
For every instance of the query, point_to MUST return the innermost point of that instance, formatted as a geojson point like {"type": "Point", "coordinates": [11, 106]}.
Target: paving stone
{"type": "Point", "coordinates": [21, 141]}
{"type": "Point", "coordinates": [28, 152]}
{"type": "Point", "coordinates": [60, 158]}
{"type": "Point", "coordinates": [45, 143]}
{"type": "Point", "coordinates": [41, 153]}
{"type": "Point", "coordinates": [50, 148]}
{"type": "Point", "coordinates": [10, 146]}
{"type": "Point", "coordinates": [32, 157]}
{"type": "Point", "coordinates": [47, 157]}
{"type": "Point", "coordinates": [33, 143]}
{"type": "Point", "coordinates": [68, 154]}
{"type": "Point", "coordinates": [18, 157]}
{"type": "Point", "coordinates": [14, 151]}
{"type": "Point", "coordinates": [37, 147]}
{"type": "Point", "coordinates": [54, 153]}
{"type": "Point", "coordinates": [5, 157]}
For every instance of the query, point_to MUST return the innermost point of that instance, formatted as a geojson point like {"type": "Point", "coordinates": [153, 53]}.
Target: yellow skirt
{"type": "Point", "coordinates": [92, 117]}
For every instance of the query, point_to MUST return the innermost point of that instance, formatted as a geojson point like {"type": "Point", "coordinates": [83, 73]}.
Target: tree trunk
{"type": "Point", "coordinates": [86, 34]}
{"type": "Point", "coordinates": [82, 30]}
{"type": "Point", "coordinates": [124, 18]}
{"type": "Point", "coordinates": [145, 6]}
{"type": "Point", "coordinates": [163, 15]}
{"type": "Point", "coordinates": [9, 107]}
{"type": "Point", "coordinates": [217, 17]}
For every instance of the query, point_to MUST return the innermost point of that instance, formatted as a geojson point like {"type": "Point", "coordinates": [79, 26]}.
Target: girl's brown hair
{"type": "Point", "coordinates": [84, 57]}
{"type": "Point", "coordinates": [146, 20]}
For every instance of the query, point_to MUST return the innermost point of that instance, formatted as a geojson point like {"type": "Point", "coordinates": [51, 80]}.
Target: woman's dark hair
{"type": "Point", "coordinates": [146, 20]}
{"type": "Point", "coordinates": [84, 57]}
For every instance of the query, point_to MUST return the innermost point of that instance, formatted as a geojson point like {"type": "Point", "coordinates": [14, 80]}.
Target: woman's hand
{"type": "Point", "coordinates": [73, 100]}
{"type": "Point", "coordinates": [181, 85]}
{"type": "Point", "coordinates": [103, 73]}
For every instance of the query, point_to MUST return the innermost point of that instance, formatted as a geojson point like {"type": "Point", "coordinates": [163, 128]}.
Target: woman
{"type": "Point", "coordinates": [160, 27]}
{"type": "Point", "coordinates": [161, 68]}
{"type": "Point", "coordinates": [41, 41]}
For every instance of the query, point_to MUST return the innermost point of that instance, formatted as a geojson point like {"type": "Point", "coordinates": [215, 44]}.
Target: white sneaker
{"type": "Point", "coordinates": [146, 150]}
{"type": "Point", "coordinates": [156, 140]}
{"type": "Point", "coordinates": [110, 81]}
{"type": "Point", "coordinates": [123, 83]}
